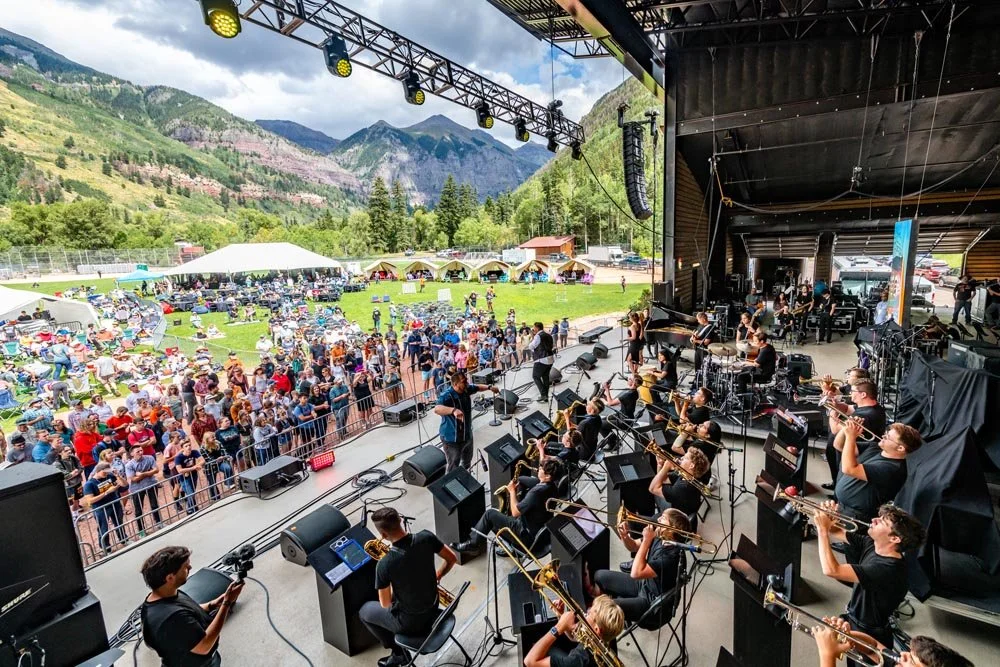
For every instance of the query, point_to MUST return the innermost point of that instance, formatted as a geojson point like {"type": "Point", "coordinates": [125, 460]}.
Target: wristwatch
{"type": "Point", "coordinates": [554, 631]}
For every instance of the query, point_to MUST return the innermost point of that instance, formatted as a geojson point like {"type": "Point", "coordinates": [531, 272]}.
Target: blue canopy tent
{"type": "Point", "coordinates": [139, 275]}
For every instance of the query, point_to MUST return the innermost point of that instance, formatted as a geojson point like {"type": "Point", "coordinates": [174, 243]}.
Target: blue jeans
{"type": "Point", "coordinates": [959, 307]}
{"type": "Point", "coordinates": [263, 453]}
{"type": "Point", "coordinates": [340, 414]}
{"type": "Point", "coordinates": [59, 366]}
{"type": "Point", "coordinates": [214, 468]}
{"type": "Point", "coordinates": [189, 483]}
{"type": "Point", "coordinates": [108, 514]}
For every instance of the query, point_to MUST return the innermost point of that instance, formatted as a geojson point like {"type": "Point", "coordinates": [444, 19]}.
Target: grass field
{"type": "Point", "coordinates": [540, 302]}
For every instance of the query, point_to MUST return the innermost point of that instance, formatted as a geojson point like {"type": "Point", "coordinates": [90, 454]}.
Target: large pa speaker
{"type": "Point", "coordinates": [601, 351]}
{"type": "Point", "coordinates": [311, 532]}
{"type": "Point", "coordinates": [425, 466]}
{"type": "Point", "coordinates": [586, 361]}
{"type": "Point", "coordinates": [40, 558]}
{"type": "Point", "coordinates": [663, 292]}
{"type": "Point", "coordinates": [635, 176]}
{"type": "Point", "coordinates": [74, 636]}
{"type": "Point", "coordinates": [505, 403]}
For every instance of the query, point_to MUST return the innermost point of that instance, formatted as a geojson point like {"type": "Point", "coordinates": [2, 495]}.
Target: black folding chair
{"type": "Point", "coordinates": [416, 646]}
{"type": "Point", "coordinates": [660, 614]}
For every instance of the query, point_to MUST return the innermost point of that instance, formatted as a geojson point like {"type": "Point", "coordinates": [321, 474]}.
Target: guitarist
{"type": "Point", "coordinates": [702, 337]}
{"type": "Point", "coordinates": [803, 306]}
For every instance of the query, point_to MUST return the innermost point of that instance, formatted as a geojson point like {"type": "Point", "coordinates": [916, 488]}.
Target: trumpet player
{"type": "Point", "coordinates": [694, 410]}
{"type": "Point", "coordinates": [878, 579]}
{"type": "Point", "coordinates": [924, 651]}
{"type": "Point", "coordinates": [653, 569]}
{"type": "Point", "coordinates": [604, 616]}
{"type": "Point", "coordinates": [863, 397]}
{"type": "Point", "coordinates": [626, 400]}
{"type": "Point", "coordinates": [527, 517]}
{"type": "Point", "coordinates": [671, 489]}
{"type": "Point", "coordinates": [589, 427]}
{"type": "Point", "coordinates": [407, 584]}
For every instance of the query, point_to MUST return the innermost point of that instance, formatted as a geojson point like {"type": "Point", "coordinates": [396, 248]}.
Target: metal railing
{"type": "Point", "coordinates": [31, 260]}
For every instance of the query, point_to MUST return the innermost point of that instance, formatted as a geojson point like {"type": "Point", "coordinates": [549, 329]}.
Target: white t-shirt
{"type": "Point", "coordinates": [105, 366]}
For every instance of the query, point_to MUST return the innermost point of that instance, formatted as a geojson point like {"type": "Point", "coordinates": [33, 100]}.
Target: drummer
{"type": "Point", "coordinates": [745, 332]}
{"type": "Point", "coordinates": [762, 368]}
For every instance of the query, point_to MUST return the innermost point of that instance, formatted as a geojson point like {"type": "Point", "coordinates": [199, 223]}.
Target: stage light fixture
{"type": "Point", "coordinates": [483, 116]}
{"type": "Point", "coordinates": [521, 130]}
{"type": "Point", "coordinates": [551, 145]}
{"type": "Point", "coordinates": [577, 153]}
{"type": "Point", "coordinates": [412, 90]}
{"type": "Point", "coordinates": [338, 61]}
{"type": "Point", "coordinates": [222, 17]}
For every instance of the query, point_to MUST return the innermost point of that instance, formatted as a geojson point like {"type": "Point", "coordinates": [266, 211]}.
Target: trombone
{"type": "Point", "coordinates": [844, 417]}
{"type": "Point", "coordinates": [863, 651]}
{"type": "Point", "coordinates": [561, 418]}
{"type": "Point", "coordinates": [660, 453]}
{"type": "Point", "coordinates": [547, 579]}
{"type": "Point", "coordinates": [378, 548]}
{"type": "Point", "coordinates": [503, 498]}
{"type": "Point", "coordinates": [674, 426]}
{"type": "Point", "coordinates": [811, 508]}
{"type": "Point", "coordinates": [560, 507]}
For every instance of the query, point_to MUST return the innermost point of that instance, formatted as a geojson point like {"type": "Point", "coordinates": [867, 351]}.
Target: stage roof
{"type": "Point", "coordinates": [253, 257]}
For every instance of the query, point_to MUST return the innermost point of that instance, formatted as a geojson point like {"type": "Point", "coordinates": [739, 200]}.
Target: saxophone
{"type": "Point", "coordinates": [378, 548]}
{"type": "Point", "coordinates": [561, 418]}
{"type": "Point", "coordinates": [503, 497]}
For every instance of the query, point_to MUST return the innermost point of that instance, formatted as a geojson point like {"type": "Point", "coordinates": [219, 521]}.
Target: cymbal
{"type": "Point", "coordinates": [722, 350]}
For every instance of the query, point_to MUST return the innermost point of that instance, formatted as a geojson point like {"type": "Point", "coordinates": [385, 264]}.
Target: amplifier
{"type": "Point", "coordinates": [400, 413]}
{"type": "Point", "coordinates": [975, 355]}
{"type": "Point", "coordinates": [279, 471]}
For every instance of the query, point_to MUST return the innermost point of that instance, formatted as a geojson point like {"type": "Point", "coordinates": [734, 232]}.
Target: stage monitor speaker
{"type": "Point", "coordinates": [207, 584]}
{"type": "Point", "coordinates": [311, 532]}
{"type": "Point", "coordinates": [586, 361]}
{"type": "Point", "coordinates": [974, 355]}
{"type": "Point", "coordinates": [40, 558]}
{"type": "Point", "coordinates": [801, 365]}
{"type": "Point", "coordinates": [633, 134]}
{"type": "Point", "coordinates": [663, 292]}
{"type": "Point", "coordinates": [555, 375]}
{"type": "Point", "coordinates": [279, 471]}
{"type": "Point", "coordinates": [505, 403]}
{"type": "Point", "coordinates": [425, 466]}
{"type": "Point", "coordinates": [601, 351]}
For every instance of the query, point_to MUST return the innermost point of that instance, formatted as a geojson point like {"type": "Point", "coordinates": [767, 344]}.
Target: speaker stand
{"type": "Point", "coordinates": [504, 416]}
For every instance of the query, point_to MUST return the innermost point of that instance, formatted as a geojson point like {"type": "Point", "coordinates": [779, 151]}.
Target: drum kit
{"type": "Point", "coordinates": [722, 369]}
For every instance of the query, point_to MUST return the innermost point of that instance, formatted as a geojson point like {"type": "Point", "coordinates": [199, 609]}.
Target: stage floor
{"type": "Point", "coordinates": [248, 639]}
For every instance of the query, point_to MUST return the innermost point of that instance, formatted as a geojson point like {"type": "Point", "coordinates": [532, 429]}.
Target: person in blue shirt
{"type": "Point", "coordinates": [100, 494]}
{"type": "Point", "coordinates": [438, 374]}
{"type": "Point", "coordinates": [452, 337]}
{"type": "Point", "coordinates": [455, 409]}
{"type": "Point", "coordinates": [304, 413]}
{"type": "Point", "coordinates": [340, 404]}
{"type": "Point", "coordinates": [42, 447]}
{"type": "Point", "coordinates": [554, 332]}
{"type": "Point", "coordinates": [564, 332]}
{"type": "Point", "coordinates": [486, 356]}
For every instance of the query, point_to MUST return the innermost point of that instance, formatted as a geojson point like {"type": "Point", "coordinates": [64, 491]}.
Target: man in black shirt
{"type": "Point", "coordinates": [527, 517]}
{"type": "Point", "coordinates": [803, 306]}
{"type": "Point", "coordinates": [604, 616]}
{"type": "Point", "coordinates": [569, 453]}
{"type": "Point", "coordinates": [923, 651]}
{"type": "Point", "coordinates": [654, 568]}
{"type": "Point", "coordinates": [694, 411]}
{"type": "Point", "coordinates": [407, 583]}
{"type": "Point", "coordinates": [589, 427]}
{"type": "Point", "coordinates": [672, 489]}
{"type": "Point", "coordinates": [992, 315]}
{"type": "Point", "coordinates": [825, 307]}
{"type": "Point", "coordinates": [182, 632]}
{"type": "Point", "coordinates": [761, 368]}
{"type": "Point", "coordinates": [626, 400]}
{"type": "Point", "coordinates": [703, 336]}
{"type": "Point", "coordinates": [963, 293]}
{"type": "Point", "coordinates": [879, 577]}
{"type": "Point", "coordinates": [700, 437]}
{"type": "Point", "coordinates": [864, 405]}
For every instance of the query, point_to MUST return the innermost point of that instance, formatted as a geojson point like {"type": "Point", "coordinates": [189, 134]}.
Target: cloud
{"type": "Point", "coordinates": [261, 74]}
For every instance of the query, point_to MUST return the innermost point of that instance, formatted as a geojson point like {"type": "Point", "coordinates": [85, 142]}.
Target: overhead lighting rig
{"type": "Point", "coordinates": [338, 60]}
{"type": "Point", "coordinates": [411, 88]}
{"type": "Point", "coordinates": [484, 117]}
{"type": "Point", "coordinates": [222, 17]}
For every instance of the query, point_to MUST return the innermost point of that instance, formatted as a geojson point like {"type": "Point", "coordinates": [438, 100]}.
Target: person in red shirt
{"type": "Point", "coordinates": [119, 424]}
{"type": "Point", "coordinates": [83, 443]}
{"type": "Point", "coordinates": [281, 381]}
{"type": "Point", "coordinates": [142, 436]}
{"type": "Point", "coordinates": [203, 423]}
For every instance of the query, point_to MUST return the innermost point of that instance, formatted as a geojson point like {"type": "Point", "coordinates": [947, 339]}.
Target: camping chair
{"type": "Point", "coordinates": [9, 406]}
{"type": "Point", "coordinates": [11, 350]}
{"type": "Point", "coordinates": [79, 385]}
{"type": "Point", "coordinates": [442, 630]}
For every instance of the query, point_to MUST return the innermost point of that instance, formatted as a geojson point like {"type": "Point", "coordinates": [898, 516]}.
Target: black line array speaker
{"type": "Point", "coordinates": [505, 403]}
{"type": "Point", "coordinates": [425, 466]}
{"type": "Point", "coordinates": [601, 351]}
{"type": "Point", "coordinates": [310, 532]}
{"type": "Point", "coordinates": [635, 176]}
{"type": "Point", "coordinates": [586, 361]}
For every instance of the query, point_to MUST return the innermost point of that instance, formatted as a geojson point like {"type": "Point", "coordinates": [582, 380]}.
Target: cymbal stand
{"type": "Point", "coordinates": [493, 625]}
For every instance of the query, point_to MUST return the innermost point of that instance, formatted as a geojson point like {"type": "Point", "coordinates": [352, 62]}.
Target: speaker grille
{"type": "Point", "coordinates": [635, 177]}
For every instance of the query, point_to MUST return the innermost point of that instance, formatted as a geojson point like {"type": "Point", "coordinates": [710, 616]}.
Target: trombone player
{"type": "Point", "coordinates": [701, 438]}
{"type": "Point", "coordinates": [654, 567]}
{"type": "Point", "coordinates": [604, 616]}
{"type": "Point", "coordinates": [671, 489]}
{"type": "Point", "coordinates": [924, 651]}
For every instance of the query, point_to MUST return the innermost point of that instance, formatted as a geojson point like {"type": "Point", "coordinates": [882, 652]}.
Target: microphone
{"type": "Point", "coordinates": [247, 551]}
{"type": "Point", "coordinates": [364, 513]}
{"type": "Point", "coordinates": [482, 462]}
{"type": "Point", "coordinates": [684, 546]}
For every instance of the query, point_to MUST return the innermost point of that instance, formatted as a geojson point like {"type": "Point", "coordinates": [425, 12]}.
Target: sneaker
{"type": "Point", "coordinates": [713, 484]}
{"type": "Point", "coordinates": [625, 566]}
{"type": "Point", "coordinates": [828, 486]}
{"type": "Point", "coordinates": [542, 399]}
{"type": "Point", "coordinates": [76, 516]}
{"type": "Point", "coordinates": [142, 533]}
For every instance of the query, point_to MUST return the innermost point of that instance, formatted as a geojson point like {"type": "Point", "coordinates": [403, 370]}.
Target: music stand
{"type": "Point", "coordinates": [759, 638]}
{"type": "Point", "coordinates": [780, 531]}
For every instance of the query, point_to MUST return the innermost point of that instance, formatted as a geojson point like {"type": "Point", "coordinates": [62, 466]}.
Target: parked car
{"type": "Point", "coordinates": [409, 252]}
{"type": "Point", "coordinates": [558, 257]}
{"type": "Point", "coordinates": [635, 262]}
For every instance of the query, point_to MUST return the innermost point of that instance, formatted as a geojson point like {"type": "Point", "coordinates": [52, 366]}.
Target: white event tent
{"type": "Point", "coordinates": [13, 301]}
{"type": "Point", "coordinates": [239, 258]}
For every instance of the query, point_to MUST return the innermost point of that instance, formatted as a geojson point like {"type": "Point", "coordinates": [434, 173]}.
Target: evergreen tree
{"type": "Point", "coordinates": [68, 142]}
{"type": "Point", "coordinates": [60, 162]}
{"type": "Point", "coordinates": [380, 216]}
{"type": "Point", "coordinates": [488, 206]}
{"type": "Point", "coordinates": [449, 213]}
{"type": "Point", "coordinates": [401, 236]}
{"type": "Point", "coordinates": [468, 201]}
{"type": "Point", "coordinates": [224, 199]}
{"type": "Point", "coordinates": [159, 201]}
{"type": "Point", "coordinates": [3, 127]}
{"type": "Point", "coordinates": [106, 168]}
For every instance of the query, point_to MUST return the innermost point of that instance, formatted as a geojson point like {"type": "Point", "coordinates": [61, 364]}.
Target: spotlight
{"type": "Point", "coordinates": [483, 116]}
{"type": "Point", "coordinates": [577, 150]}
{"type": "Point", "coordinates": [411, 88]}
{"type": "Point", "coordinates": [338, 62]}
{"type": "Point", "coordinates": [521, 130]}
{"type": "Point", "coordinates": [551, 145]}
{"type": "Point", "coordinates": [222, 17]}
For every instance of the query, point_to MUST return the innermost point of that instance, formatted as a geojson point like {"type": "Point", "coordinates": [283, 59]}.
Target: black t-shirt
{"type": "Point", "coordinates": [873, 417]}
{"type": "Point", "coordinates": [317, 351]}
{"type": "Point", "coordinates": [698, 414]}
{"type": "Point", "coordinates": [767, 359]}
{"type": "Point", "coordinates": [664, 560]}
{"type": "Point", "coordinates": [681, 494]}
{"type": "Point", "coordinates": [426, 361]}
{"type": "Point", "coordinates": [174, 626]}
{"type": "Point", "coordinates": [708, 450]}
{"type": "Point", "coordinates": [963, 292]}
{"type": "Point", "coordinates": [590, 429]}
{"type": "Point", "coordinates": [409, 569]}
{"type": "Point", "coordinates": [532, 507]}
{"type": "Point", "coordinates": [578, 657]}
{"type": "Point", "coordinates": [881, 585]}
{"type": "Point", "coordinates": [886, 476]}
{"type": "Point", "coordinates": [187, 460]}
{"type": "Point", "coordinates": [822, 304]}
{"type": "Point", "coordinates": [628, 399]}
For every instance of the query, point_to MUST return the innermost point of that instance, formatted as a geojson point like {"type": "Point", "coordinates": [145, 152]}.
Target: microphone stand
{"type": "Point", "coordinates": [493, 625]}
{"type": "Point", "coordinates": [496, 420]}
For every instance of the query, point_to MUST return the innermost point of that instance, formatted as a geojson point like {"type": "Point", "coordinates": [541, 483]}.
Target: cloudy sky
{"type": "Point", "coordinates": [261, 74]}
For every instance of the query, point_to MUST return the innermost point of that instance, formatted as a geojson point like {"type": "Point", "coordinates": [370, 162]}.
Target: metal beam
{"type": "Point", "coordinates": [377, 48]}
{"type": "Point", "coordinates": [670, 179]}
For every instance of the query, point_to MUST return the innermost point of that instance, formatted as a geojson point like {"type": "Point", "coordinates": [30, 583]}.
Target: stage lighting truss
{"type": "Point", "coordinates": [338, 60]}
{"type": "Point", "coordinates": [222, 17]}
{"type": "Point", "coordinates": [521, 130]}
{"type": "Point", "coordinates": [374, 46]}
{"type": "Point", "coordinates": [411, 88]}
{"type": "Point", "coordinates": [552, 144]}
{"type": "Point", "coordinates": [484, 118]}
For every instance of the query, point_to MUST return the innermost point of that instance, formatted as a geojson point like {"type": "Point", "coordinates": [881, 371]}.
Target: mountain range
{"type": "Point", "coordinates": [199, 158]}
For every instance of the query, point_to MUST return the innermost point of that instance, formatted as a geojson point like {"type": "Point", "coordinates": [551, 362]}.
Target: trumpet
{"type": "Point", "coordinates": [547, 579]}
{"type": "Point", "coordinates": [864, 652]}
{"type": "Point", "coordinates": [560, 507]}
{"type": "Point", "coordinates": [843, 417]}
{"type": "Point", "coordinates": [811, 508]}
{"type": "Point", "coordinates": [377, 549]}
{"type": "Point", "coordinates": [659, 452]}
{"type": "Point", "coordinates": [687, 398]}
{"type": "Point", "coordinates": [561, 418]}
{"type": "Point", "coordinates": [536, 446]}
{"type": "Point", "coordinates": [827, 381]}
{"type": "Point", "coordinates": [674, 426]}
{"type": "Point", "coordinates": [503, 497]}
